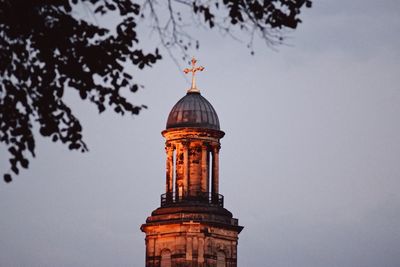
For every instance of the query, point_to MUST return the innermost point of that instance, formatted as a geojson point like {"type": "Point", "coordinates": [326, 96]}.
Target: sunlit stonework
{"type": "Point", "coordinates": [192, 227]}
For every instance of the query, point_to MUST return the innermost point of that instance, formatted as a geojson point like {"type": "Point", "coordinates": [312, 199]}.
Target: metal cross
{"type": "Point", "coordinates": [193, 70]}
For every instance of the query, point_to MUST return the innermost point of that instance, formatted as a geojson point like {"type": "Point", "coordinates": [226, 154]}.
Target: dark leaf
{"type": "Point", "coordinates": [7, 178]}
{"type": "Point", "coordinates": [24, 163]}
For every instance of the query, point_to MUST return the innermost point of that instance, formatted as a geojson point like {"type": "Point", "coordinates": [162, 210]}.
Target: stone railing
{"type": "Point", "coordinates": [173, 198]}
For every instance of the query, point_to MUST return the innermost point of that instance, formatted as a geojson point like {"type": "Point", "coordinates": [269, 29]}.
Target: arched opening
{"type": "Point", "coordinates": [221, 259]}
{"type": "Point", "coordinates": [166, 258]}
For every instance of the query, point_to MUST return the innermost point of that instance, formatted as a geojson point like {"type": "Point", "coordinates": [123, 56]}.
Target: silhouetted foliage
{"type": "Point", "coordinates": [45, 49]}
{"type": "Point", "coordinates": [265, 18]}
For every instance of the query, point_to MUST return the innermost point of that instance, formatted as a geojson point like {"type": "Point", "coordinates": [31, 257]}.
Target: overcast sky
{"type": "Point", "coordinates": [309, 164]}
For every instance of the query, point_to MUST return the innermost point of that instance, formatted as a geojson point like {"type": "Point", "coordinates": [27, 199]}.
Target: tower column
{"type": "Point", "coordinates": [186, 181]}
{"type": "Point", "coordinates": [169, 169]}
{"type": "Point", "coordinates": [204, 168]}
{"type": "Point", "coordinates": [215, 169]}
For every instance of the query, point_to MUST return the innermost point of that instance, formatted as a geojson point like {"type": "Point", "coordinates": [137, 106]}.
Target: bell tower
{"type": "Point", "coordinates": [191, 227]}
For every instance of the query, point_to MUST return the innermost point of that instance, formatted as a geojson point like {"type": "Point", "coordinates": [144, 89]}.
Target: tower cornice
{"type": "Point", "coordinates": [193, 132]}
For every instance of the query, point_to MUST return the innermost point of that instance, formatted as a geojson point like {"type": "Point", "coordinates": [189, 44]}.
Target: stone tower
{"type": "Point", "coordinates": [192, 227]}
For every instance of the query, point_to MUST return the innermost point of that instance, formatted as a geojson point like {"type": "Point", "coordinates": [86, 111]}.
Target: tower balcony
{"type": "Point", "coordinates": [172, 198]}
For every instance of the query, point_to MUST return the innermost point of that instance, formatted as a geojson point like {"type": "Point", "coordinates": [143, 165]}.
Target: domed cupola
{"type": "Point", "coordinates": [192, 145]}
{"type": "Point", "coordinates": [193, 110]}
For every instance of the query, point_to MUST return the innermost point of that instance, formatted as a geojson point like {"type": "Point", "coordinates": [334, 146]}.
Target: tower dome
{"type": "Point", "coordinates": [193, 110]}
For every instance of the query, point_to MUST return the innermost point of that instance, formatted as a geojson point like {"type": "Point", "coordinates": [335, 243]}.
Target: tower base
{"type": "Point", "coordinates": [191, 235]}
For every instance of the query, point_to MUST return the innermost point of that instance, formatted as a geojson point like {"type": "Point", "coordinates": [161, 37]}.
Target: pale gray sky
{"type": "Point", "coordinates": [309, 163]}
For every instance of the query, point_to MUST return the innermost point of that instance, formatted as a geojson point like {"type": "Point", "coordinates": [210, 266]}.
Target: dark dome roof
{"type": "Point", "coordinates": [193, 110]}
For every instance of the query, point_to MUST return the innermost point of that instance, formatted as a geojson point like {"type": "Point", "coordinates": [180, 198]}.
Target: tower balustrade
{"type": "Point", "coordinates": [209, 198]}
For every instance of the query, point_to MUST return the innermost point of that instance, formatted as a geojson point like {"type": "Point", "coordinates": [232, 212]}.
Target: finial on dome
{"type": "Point", "coordinates": [193, 70]}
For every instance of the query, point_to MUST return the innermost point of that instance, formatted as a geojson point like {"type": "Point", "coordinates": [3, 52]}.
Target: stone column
{"type": "Point", "coordinates": [215, 169]}
{"type": "Point", "coordinates": [204, 168]}
{"type": "Point", "coordinates": [170, 169]}
{"type": "Point", "coordinates": [186, 182]}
